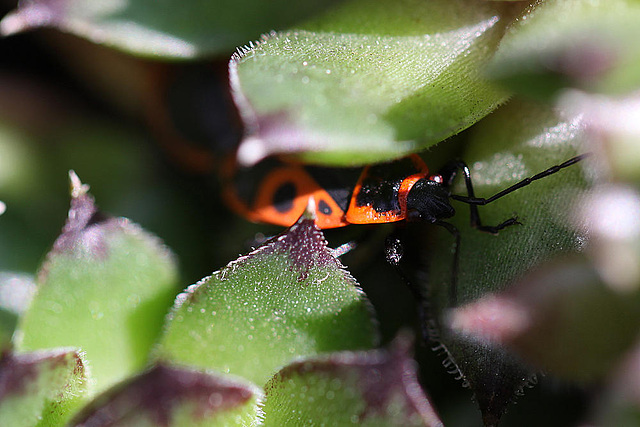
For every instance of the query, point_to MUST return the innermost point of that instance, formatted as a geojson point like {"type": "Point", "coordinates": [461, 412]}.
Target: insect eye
{"type": "Point", "coordinates": [437, 178]}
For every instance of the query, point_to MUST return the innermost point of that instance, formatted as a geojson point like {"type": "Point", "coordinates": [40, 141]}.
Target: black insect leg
{"type": "Point", "coordinates": [449, 173]}
{"type": "Point", "coordinates": [394, 252]}
{"type": "Point", "coordinates": [474, 201]}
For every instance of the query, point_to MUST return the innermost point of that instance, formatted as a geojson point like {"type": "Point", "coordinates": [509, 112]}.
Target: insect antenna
{"type": "Point", "coordinates": [451, 170]}
{"type": "Point", "coordinates": [472, 200]}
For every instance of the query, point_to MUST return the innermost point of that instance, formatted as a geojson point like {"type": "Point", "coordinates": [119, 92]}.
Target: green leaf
{"type": "Point", "coordinates": [373, 388]}
{"type": "Point", "coordinates": [370, 81]}
{"type": "Point", "coordinates": [169, 396]}
{"type": "Point", "coordinates": [16, 292]}
{"type": "Point", "coordinates": [39, 384]}
{"type": "Point", "coordinates": [612, 126]}
{"type": "Point", "coordinates": [289, 298]}
{"type": "Point", "coordinates": [104, 288]}
{"type": "Point", "coordinates": [620, 402]}
{"type": "Point", "coordinates": [557, 44]}
{"type": "Point", "coordinates": [561, 318]}
{"type": "Point", "coordinates": [516, 142]}
{"type": "Point", "coordinates": [45, 138]}
{"type": "Point", "coordinates": [162, 28]}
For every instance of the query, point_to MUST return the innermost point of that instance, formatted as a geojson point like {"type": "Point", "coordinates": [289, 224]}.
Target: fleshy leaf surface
{"type": "Point", "coordinates": [373, 388]}
{"type": "Point", "coordinates": [620, 403]}
{"type": "Point", "coordinates": [369, 81]}
{"type": "Point", "coordinates": [162, 28]}
{"type": "Point", "coordinates": [169, 396]}
{"type": "Point", "coordinates": [584, 44]}
{"type": "Point", "coordinates": [16, 292]}
{"type": "Point", "coordinates": [104, 288]}
{"type": "Point", "coordinates": [612, 124]}
{"type": "Point", "coordinates": [562, 318]}
{"type": "Point", "coordinates": [517, 141]}
{"type": "Point", "coordinates": [289, 298]}
{"type": "Point", "coordinates": [39, 385]}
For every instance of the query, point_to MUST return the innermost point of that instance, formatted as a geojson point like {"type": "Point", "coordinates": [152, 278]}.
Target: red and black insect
{"type": "Point", "coordinates": [278, 192]}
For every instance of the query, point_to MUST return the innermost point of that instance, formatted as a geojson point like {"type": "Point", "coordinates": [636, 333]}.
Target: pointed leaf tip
{"type": "Point", "coordinates": [83, 213]}
{"type": "Point", "coordinates": [289, 298]}
{"type": "Point", "coordinates": [102, 276]}
{"type": "Point", "coordinates": [78, 189]}
{"type": "Point", "coordinates": [310, 211]}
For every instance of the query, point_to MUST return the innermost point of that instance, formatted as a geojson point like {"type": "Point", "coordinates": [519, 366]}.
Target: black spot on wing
{"type": "Point", "coordinates": [324, 208]}
{"type": "Point", "coordinates": [337, 182]}
{"type": "Point", "coordinates": [283, 197]}
{"type": "Point", "coordinates": [246, 181]}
